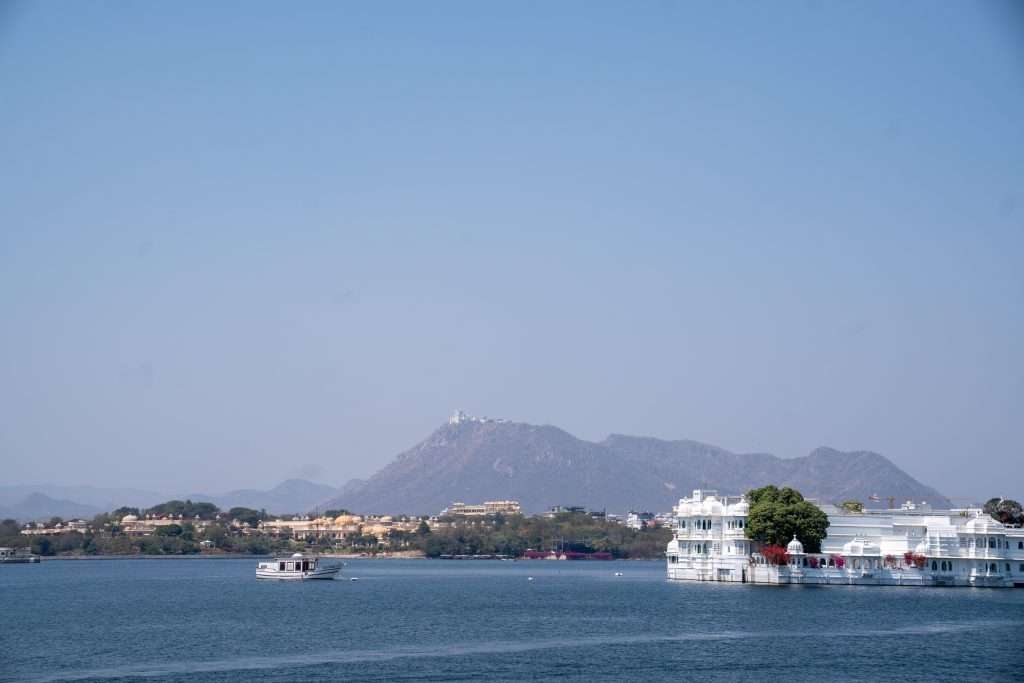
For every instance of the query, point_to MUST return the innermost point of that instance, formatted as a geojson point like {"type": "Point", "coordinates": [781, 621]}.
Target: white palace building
{"type": "Point", "coordinates": [905, 547]}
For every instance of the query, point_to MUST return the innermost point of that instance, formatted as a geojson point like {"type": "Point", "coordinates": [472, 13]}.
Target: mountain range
{"type": "Point", "coordinates": [540, 466]}
{"type": "Point", "coordinates": [543, 466]}
{"type": "Point", "coordinates": [35, 502]}
{"type": "Point", "coordinates": [291, 495]}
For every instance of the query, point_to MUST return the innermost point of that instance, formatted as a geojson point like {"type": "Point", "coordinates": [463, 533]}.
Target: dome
{"type": "Point", "coordinates": [795, 547]}
{"type": "Point", "coordinates": [921, 548]}
{"type": "Point", "coordinates": [129, 518]}
{"type": "Point", "coordinates": [742, 507]}
{"type": "Point", "coordinates": [984, 524]}
{"type": "Point", "coordinates": [711, 506]}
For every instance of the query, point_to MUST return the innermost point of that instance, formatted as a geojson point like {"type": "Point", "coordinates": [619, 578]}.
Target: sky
{"type": "Point", "coordinates": [247, 241]}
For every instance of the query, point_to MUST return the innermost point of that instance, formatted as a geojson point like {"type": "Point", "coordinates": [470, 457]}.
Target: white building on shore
{"type": "Point", "coordinates": [490, 507]}
{"type": "Point", "coordinates": [907, 547]}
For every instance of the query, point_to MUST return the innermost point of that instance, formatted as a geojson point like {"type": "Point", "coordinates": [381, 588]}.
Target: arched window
{"type": "Point", "coordinates": [935, 566]}
{"type": "Point", "coordinates": [992, 567]}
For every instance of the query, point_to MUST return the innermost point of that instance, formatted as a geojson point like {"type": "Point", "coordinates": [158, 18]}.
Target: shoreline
{"type": "Point", "coordinates": [223, 556]}
{"type": "Point", "coordinates": [331, 556]}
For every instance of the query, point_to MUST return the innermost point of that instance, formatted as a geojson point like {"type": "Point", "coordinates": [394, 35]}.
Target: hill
{"type": "Point", "coordinates": [541, 466]}
{"type": "Point", "coordinates": [290, 496]}
{"type": "Point", "coordinates": [38, 506]}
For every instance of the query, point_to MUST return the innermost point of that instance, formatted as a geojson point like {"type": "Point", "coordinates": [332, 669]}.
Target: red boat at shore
{"type": "Point", "coordinates": [565, 555]}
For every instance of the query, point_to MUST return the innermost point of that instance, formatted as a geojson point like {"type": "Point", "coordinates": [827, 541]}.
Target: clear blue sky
{"type": "Point", "coordinates": [244, 241]}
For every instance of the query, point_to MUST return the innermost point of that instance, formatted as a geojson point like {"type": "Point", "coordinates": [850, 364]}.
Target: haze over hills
{"type": "Point", "coordinates": [98, 497]}
{"type": "Point", "coordinates": [541, 466]}
{"type": "Point", "coordinates": [291, 495]}
{"type": "Point", "coordinates": [35, 502]}
{"type": "Point", "coordinates": [41, 506]}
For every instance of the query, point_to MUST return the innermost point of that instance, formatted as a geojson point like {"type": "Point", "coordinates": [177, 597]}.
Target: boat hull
{"type": "Point", "coordinates": [320, 573]}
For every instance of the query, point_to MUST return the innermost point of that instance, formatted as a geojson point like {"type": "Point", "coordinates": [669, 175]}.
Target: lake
{"type": "Point", "coordinates": [434, 620]}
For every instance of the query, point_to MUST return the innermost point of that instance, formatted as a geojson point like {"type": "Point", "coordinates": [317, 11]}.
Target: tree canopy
{"type": "Point", "coordinates": [852, 506]}
{"type": "Point", "coordinates": [776, 515]}
{"type": "Point", "coordinates": [1005, 510]}
{"type": "Point", "coordinates": [185, 508]}
{"type": "Point", "coordinates": [246, 515]}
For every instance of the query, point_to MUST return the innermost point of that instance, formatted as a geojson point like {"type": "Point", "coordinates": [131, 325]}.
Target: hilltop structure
{"type": "Point", "coordinates": [459, 417]}
{"type": "Point", "coordinates": [910, 546]}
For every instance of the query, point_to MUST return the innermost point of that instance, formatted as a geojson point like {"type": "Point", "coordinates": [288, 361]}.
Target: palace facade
{"type": "Point", "coordinates": [905, 547]}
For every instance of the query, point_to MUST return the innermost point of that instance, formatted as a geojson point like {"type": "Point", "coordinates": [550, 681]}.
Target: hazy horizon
{"type": "Point", "coordinates": [244, 242]}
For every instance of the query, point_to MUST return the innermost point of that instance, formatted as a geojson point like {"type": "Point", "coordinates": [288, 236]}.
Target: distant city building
{"type": "Point", "coordinates": [639, 520]}
{"type": "Point", "coordinates": [340, 528]}
{"type": "Point", "coordinates": [490, 507]}
{"type": "Point", "coordinates": [132, 525]}
{"type": "Point", "coordinates": [40, 529]}
{"type": "Point", "coordinates": [560, 509]}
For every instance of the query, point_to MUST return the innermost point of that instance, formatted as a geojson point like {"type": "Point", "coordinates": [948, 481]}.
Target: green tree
{"type": "Point", "coordinates": [217, 534]}
{"type": "Point", "coordinates": [852, 506]}
{"type": "Point", "coordinates": [245, 515]}
{"type": "Point", "coordinates": [10, 533]}
{"type": "Point", "coordinates": [185, 508]}
{"type": "Point", "coordinates": [89, 546]}
{"type": "Point", "coordinates": [1005, 511]}
{"type": "Point", "coordinates": [776, 515]}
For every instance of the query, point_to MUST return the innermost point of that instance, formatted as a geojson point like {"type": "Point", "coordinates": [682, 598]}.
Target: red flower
{"type": "Point", "coordinates": [775, 554]}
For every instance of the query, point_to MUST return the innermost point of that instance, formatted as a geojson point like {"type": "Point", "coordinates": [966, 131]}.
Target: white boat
{"type": "Point", "coordinates": [17, 556]}
{"type": "Point", "coordinates": [298, 567]}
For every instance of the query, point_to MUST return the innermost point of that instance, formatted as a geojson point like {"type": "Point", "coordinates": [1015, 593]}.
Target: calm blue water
{"type": "Point", "coordinates": [211, 620]}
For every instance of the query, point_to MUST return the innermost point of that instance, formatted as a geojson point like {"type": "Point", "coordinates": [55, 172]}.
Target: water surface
{"type": "Point", "coordinates": [418, 620]}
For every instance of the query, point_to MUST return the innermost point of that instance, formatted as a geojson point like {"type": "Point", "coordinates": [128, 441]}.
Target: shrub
{"type": "Point", "coordinates": [840, 561]}
{"type": "Point", "coordinates": [912, 560]}
{"type": "Point", "coordinates": [775, 554]}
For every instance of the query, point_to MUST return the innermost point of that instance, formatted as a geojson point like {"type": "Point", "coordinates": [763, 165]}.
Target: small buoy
{"type": "Point", "coordinates": [354, 578]}
{"type": "Point", "coordinates": [529, 578]}
{"type": "Point", "coordinates": [618, 573]}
